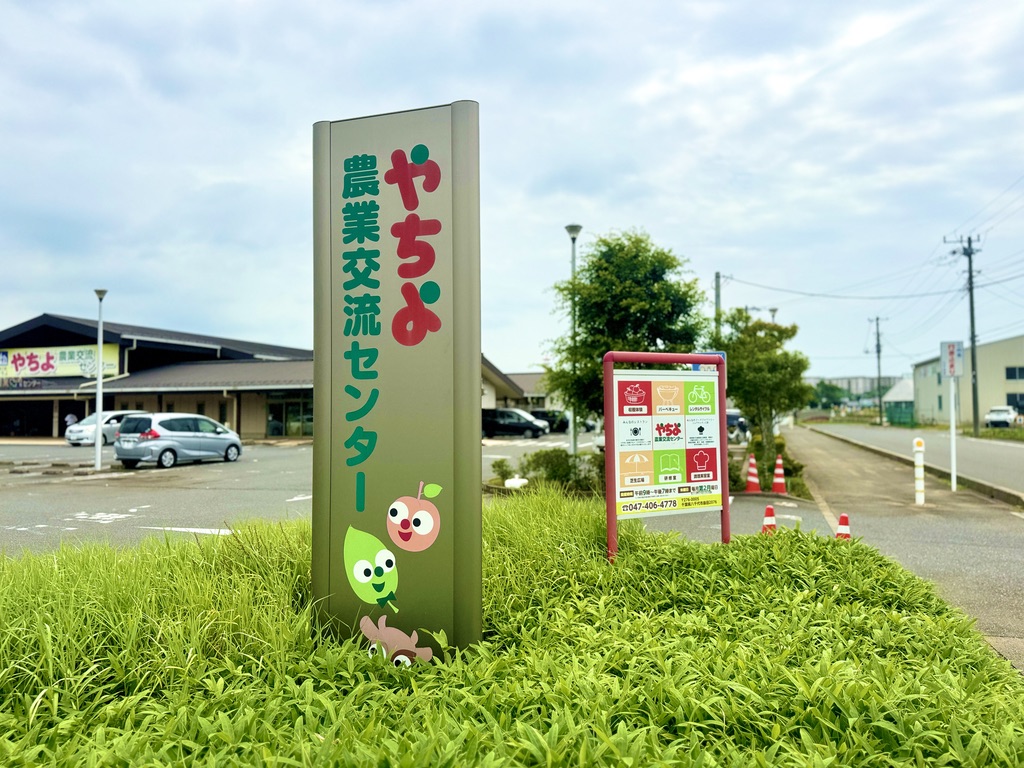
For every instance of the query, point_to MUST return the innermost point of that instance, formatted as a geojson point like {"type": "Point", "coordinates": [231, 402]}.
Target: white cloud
{"type": "Point", "coordinates": [796, 145]}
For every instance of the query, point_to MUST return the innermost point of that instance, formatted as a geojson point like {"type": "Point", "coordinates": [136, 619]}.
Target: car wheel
{"type": "Point", "coordinates": [529, 434]}
{"type": "Point", "coordinates": [130, 463]}
{"type": "Point", "coordinates": [231, 454]}
{"type": "Point", "coordinates": [167, 459]}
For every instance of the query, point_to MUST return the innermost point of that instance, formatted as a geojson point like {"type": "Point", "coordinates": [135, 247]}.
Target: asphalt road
{"type": "Point", "coordinates": [39, 511]}
{"type": "Point", "coordinates": [44, 503]}
{"type": "Point", "coordinates": [996, 462]}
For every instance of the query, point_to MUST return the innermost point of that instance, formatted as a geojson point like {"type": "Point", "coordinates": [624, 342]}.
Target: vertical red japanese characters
{"type": "Point", "coordinates": [414, 321]}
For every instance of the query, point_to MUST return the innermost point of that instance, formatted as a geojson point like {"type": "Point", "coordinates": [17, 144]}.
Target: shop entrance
{"type": "Point", "coordinates": [290, 418]}
{"type": "Point", "coordinates": [28, 418]}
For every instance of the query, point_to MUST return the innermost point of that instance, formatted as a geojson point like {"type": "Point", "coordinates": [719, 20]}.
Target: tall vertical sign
{"type": "Point", "coordinates": [396, 464]}
{"type": "Point", "coordinates": [951, 354]}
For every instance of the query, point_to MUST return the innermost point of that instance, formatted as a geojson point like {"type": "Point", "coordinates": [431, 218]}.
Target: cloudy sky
{"type": "Point", "coordinates": [816, 155]}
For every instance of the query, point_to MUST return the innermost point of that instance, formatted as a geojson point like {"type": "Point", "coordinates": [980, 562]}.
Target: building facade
{"type": "Point", "coordinates": [48, 371]}
{"type": "Point", "coordinates": [1000, 382]}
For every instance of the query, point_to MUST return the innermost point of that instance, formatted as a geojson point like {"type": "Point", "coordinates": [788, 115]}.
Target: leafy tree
{"type": "Point", "coordinates": [826, 395]}
{"type": "Point", "coordinates": [629, 295]}
{"type": "Point", "coordinates": [764, 379]}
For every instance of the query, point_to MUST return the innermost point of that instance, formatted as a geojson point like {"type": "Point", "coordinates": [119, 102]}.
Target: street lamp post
{"type": "Point", "coordinates": [98, 434]}
{"type": "Point", "coordinates": [574, 231]}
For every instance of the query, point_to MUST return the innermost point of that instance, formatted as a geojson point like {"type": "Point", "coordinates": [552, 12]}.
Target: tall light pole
{"type": "Point", "coordinates": [98, 434]}
{"type": "Point", "coordinates": [574, 232]}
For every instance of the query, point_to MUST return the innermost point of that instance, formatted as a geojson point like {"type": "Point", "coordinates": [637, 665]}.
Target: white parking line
{"type": "Point", "coordinates": [300, 498]}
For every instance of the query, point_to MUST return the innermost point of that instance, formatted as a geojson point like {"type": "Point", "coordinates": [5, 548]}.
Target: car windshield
{"type": "Point", "coordinates": [88, 421]}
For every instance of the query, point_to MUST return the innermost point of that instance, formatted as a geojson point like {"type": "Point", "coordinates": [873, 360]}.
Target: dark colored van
{"type": "Point", "coordinates": [511, 421]}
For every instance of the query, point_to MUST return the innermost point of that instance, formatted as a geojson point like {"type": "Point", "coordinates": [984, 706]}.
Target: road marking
{"type": "Point", "coordinates": [300, 498]}
{"type": "Point", "coordinates": [103, 518]}
{"type": "Point", "coordinates": [826, 510]}
{"type": "Point", "coordinates": [206, 531]}
{"type": "Point", "coordinates": [1018, 514]}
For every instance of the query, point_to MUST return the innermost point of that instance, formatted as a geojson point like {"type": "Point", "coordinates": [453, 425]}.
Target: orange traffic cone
{"type": "Point", "coordinates": [768, 526]}
{"type": "Point", "coordinates": [843, 531]}
{"type": "Point", "coordinates": [753, 481]}
{"type": "Point", "coordinates": [779, 481]}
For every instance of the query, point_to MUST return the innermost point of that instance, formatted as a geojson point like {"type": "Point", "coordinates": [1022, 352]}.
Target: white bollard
{"type": "Point", "coordinates": [918, 471]}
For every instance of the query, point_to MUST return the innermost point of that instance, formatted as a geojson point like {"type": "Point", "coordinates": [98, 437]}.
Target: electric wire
{"type": "Point", "coordinates": [987, 206]}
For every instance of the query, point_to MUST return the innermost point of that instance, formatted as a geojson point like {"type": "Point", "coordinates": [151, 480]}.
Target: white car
{"type": "Point", "coordinates": [1001, 416]}
{"type": "Point", "coordinates": [84, 432]}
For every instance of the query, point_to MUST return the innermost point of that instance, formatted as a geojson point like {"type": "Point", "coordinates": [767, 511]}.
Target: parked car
{"type": "Point", "coordinates": [512, 421]}
{"type": "Point", "coordinates": [167, 438]}
{"type": "Point", "coordinates": [556, 420]}
{"type": "Point", "coordinates": [84, 432]}
{"type": "Point", "coordinates": [1001, 416]}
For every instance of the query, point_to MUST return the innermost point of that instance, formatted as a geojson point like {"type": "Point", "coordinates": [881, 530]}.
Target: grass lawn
{"type": "Point", "coordinates": [791, 650]}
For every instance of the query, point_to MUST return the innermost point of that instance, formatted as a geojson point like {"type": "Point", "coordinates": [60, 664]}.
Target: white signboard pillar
{"type": "Point", "coordinates": [951, 354]}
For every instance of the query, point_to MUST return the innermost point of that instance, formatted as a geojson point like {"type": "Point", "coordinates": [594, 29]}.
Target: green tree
{"type": "Point", "coordinates": [763, 379]}
{"type": "Point", "coordinates": [826, 395]}
{"type": "Point", "coordinates": [629, 295]}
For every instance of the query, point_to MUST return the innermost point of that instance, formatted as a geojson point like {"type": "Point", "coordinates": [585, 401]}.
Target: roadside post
{"type": "Point", "coordinates": [952, 355]}
{"type": "Point", "coordinates": [397, 544]}
{"type": "Point", "coordinates": [918, 471]}
{"type": "Point", "coordinates": [665, 450]}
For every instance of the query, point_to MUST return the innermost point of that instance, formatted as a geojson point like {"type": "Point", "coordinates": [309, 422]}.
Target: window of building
{"type": "Point", "coordinates": [1014, 373]}
{"type": "Point", "coordinates": [940, 403]}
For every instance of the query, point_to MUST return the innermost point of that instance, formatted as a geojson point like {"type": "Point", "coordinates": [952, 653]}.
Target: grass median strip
{"type": "Point", "coordinates": [785, 650]}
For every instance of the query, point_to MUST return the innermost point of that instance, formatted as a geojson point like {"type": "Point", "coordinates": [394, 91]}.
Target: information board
{"type": "Point", "coordinates": [667, 442]}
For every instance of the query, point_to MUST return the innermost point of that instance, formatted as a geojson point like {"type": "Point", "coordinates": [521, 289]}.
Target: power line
{"type": "Point", "coordinates": [840, 296]}
{"type": "Point", "coordinates": [987, 205]}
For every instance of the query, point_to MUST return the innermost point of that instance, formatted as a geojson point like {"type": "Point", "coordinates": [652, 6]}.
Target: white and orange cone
{"type": "Point", "coordinates": [779, 480]}
{"type": "Point", "coordinates": [843, 531]}
{"type": "Point", "coordinates": [753, 481]}
{"type": "Point", "coordinates": [768, 526]}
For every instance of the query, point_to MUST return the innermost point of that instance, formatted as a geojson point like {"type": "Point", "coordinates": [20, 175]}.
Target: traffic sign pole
{"type": "Point", "coordinates": [952, 433]}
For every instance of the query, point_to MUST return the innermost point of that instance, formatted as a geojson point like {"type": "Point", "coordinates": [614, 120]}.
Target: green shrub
{"type": "Point", "coordinates": [502, 469]}
{"type": "Point", "coordinates": [789, 650]}
{"type": "Point", "coordinates": [554, 466]}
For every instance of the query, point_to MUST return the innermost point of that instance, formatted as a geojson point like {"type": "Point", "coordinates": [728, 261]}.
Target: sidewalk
{"type": "Point", "coordinates": [970, 546]}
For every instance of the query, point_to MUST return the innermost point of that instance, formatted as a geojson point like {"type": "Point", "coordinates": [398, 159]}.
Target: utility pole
{"type": "Point", "coordinates": [718, 305]}
{"type": "Point", "coordinates": [969, 250]}
{"type": "Point", "coordinates": [878, 358]}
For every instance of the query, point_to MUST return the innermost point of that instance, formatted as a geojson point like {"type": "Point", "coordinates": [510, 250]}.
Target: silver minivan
{"type": "Point", "coordinates": [167, 438]}
{"type": "Point", "coordinates": [84, 432]}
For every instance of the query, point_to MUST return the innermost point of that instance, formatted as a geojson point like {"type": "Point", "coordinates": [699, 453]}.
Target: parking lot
{"type": "Point", "coordinates": [49, 492]}
{"type": "Point", "coordinates": [45, 499]}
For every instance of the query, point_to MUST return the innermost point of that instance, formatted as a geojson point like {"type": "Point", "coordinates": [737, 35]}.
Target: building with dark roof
{"type": "Point", "coordinates": [48, 370]}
